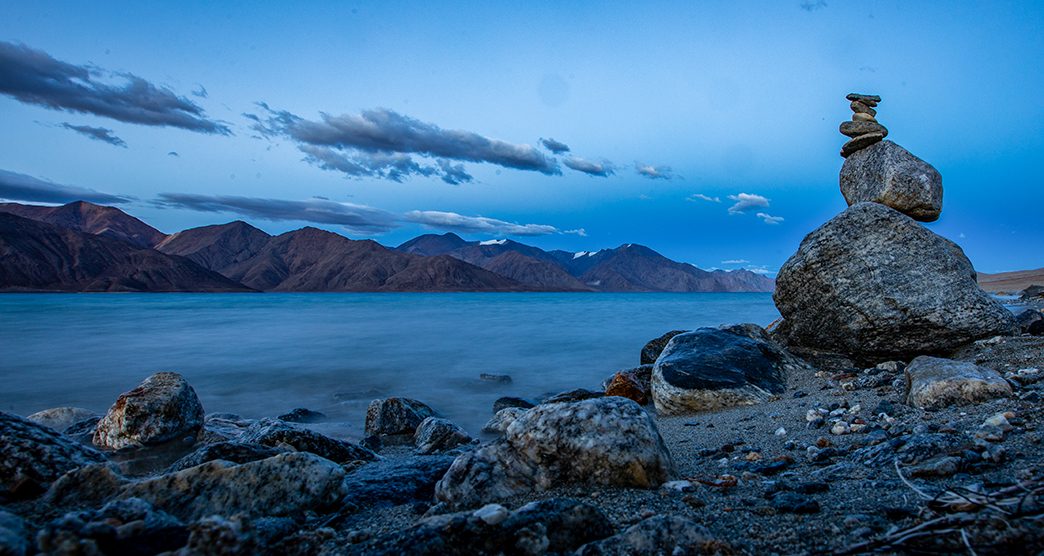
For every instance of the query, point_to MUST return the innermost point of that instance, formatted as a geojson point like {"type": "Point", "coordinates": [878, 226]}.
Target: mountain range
{"type": "Point", "coordinates": [86, 247]}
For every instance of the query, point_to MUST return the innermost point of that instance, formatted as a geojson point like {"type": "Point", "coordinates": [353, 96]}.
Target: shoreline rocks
{"type": "Point", "coordinates": [162, 408]}
{"type": "Point", "coordinates": [33, 456]}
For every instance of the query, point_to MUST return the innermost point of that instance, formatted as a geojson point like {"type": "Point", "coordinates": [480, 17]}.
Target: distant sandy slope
{"type": "Point", "coordinates": [1011, 281]}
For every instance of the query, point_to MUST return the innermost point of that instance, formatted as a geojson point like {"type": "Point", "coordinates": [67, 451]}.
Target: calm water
{"type": "Point", "coordinates": [263, 354]}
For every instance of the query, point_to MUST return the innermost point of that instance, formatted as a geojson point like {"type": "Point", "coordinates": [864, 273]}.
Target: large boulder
{"type": "Point", "coordinates": [279, 434]}
{"type": "Point", "coordinates": [933, 383]}
{"type": "Point", "coordinates": [888, 174]}
{"type": "Point", "coordinates": [287, 484]}
{"type": "Point", "coordinates": [33, 456]}
{"type": "Point", "coordinates": [396, 416]}
{"type": "Point", "coordinates": [162, 408]}
{"type": "Point", "coordinates": [604, 441]}
{"type": "Point", "coordinates": [713, 368]}
{"type": "Point", "coordinates": [875, 285]}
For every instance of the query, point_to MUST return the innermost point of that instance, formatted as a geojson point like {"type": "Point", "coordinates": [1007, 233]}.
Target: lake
{"type": "Point", "coordinates": [260, 355]}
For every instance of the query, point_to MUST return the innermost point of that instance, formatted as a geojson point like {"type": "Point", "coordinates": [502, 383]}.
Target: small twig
{"type": "Point", "coordinates": [967, 543]}
{"type": "Point", "coordinates": [908, 483]}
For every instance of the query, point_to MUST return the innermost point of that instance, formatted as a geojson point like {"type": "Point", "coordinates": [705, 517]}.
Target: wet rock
{"type": "Point", "coordinates": [657, 535]}
{"type": "Point", "coordinates": [573, 396]}
{"type": "Point", "coordinates": [652, 350]}
{"type": "Point", "coordinates": [395, 481]}
{"type": "Point", "coordinates": [438, 435]}
{"type": "Point", "coordinates": [278, 434]}
{"type": "Point", "coordinates": [888, 174]}
{"type": "Point", "coordinates": [286, 484]}
{"type": "Point", "coordinates": [302, 415]}
{"type": "Point", "coordinates": [14, 536]}
{"type": "Point", "coordinates": [933, 382]}
{"type": "Point", "coordinates": [396, 416]}
{"type": "Point", "coordinates": [830, 300]}
{"type": "Point", "coordinates": [61, 418]}
{"type": "Point", "coordinates": [500, 422]}
{"type": "Point", "coordinates": [507, 401]}
{"type": "Point", "coordinates": [555, 526]}
{"type": "Point", "coordinates": [32, 456]}
{"type": "Point", "coordinates": [235, 452]}
{"type": "Point", "coordinates": [131, 527]}
{"type": "Point", "coordinates": [607, 441]}
{"type": "Point", "coordinates": [83, 431]}
{"type": "Point", "coordinates": [713, 368]}
{"type": "Point", "coordinates": [498, 379]}
{"type": "Point", "coordinates": [634, 384]}
{"type": "Point", "coordinates": [162, 408]}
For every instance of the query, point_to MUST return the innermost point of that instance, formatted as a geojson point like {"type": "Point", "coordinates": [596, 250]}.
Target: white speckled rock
{"type": "Point", "coordinates": [61, 418]}
{"type": "Point", "coordinates": [604, 441]}
{"type": "Point", "coordinates": [503, 418]}
{"type": "Point", "coordinates": [162, 408]}
{"type": "Point", "coordinates": [396, 416]}
{"type": "Point", "coordinates": [932, 382]}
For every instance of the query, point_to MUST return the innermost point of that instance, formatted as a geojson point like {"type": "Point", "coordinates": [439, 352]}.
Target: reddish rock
{"type": "Point", "coordinates": [628, 385]}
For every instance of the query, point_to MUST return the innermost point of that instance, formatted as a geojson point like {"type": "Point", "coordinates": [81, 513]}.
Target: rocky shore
{"type": "Point", "coordinates": [895, 408]}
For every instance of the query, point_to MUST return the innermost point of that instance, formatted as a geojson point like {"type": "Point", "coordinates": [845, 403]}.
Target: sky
{"type": "Point", "coordinates": [705, 130]}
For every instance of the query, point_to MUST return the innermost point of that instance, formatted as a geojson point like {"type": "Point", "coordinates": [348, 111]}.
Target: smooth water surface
{"type": "Point", "coordinates": [260, 355]}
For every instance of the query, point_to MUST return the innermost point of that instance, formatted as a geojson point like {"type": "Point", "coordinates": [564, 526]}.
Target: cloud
{"type": "Point", "coordinates": [174, 153]}
{"type": "Point", "coordinates": [600, 169]}
{"type": "Point", "coordinates": [578, 232]}
{"type": "Point", "coordinates": [556, 147]}
{"type": "Point", "coordinates": [34, 77]}
{"type": "Point", "coordinates": [453, 174]}
{"type": "Point", "coordinates": [359, 219]}
{"type": "Point", "coordinates": [735, 261]}
{"type": "Point", "coordinates": [200, 91]}
{"type": "Point", "coordinates": [454, 222]}
{"type": "Point", "coordinates": [813, 5]}
{"type": "Point", "coordinates": [746, 201]}
{"type": "Point", "coordinates": [350, 143]}
{"type": "Point", "coordinates": [701, 197]}
{"type": "Point", "coordinates": [20, 187]}
{"type": "Point", "coordinates": [97, 133]}
{"type": "Point", "coordinates": [769, 219]}
{"type": "Point", "coordinates": [654, 172]}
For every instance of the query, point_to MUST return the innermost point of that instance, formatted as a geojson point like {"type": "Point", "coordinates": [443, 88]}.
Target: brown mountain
{"type": "Point", "coordinates": [36, 256]}
{"type": "Point", "coordinates": [1011, 282]}
{"type": "Point", "coordinates": [218, 248]}
{"type": "Point", "coordinates": [92, 219]}
{"type": "Point", "coordinates": [311, 259]}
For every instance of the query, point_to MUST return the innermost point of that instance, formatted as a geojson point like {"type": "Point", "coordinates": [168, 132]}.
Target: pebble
{"type": "Point", "coordinates": [861, 108]}
{"type": "Point", "coordinates": [678, 486]}
{"type": "Point", "coordinates": [1000, 421]}
{"type": "Point", "coordinates": [780, 432]}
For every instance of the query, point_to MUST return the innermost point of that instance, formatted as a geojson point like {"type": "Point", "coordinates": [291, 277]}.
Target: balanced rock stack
{"type": "Point", "coordinates": [872, 283]}
{"type": "Point", "coordinates": [863, 129]}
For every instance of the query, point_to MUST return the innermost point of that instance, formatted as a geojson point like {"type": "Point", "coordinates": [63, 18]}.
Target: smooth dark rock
{"type": "Point", "coordinates": [395, 481]}
{"type": "Point", "coordinates": [661, 534]}
{"type": "Point", "coordinates": [436, 434]}
{"type": "Point", "coordinates": [162, 408]}
{"type": "Point", "coordinates": [652, 350]}
{"type": "Point", "coordinates": [235, 452]}
{"type": "Point", "coordinates": [870, 100]}
{"type": "Point", "coordinates": [274, 433]}
{"type": "Point", "coordinates": [1031, 321]}
{"type": "Point", "coordinates": [507, 401]}
{"type": "Point", "coordinates": [303, 415]}
{"type": "Point", "coordinates": [576, 395]}
{"type": "Point", "coordinates": [32, 456]}
{"type": "Point", "coordinates": [396, 416]}
{"type": "Point", "coordinates": [888, 174]}
{"type": "Point", "coordinates": [875, 285]}
{"type": "Point", "coordinates": [860, 142]}
{"type": "Point", "coordinates": [1032, 293]}
{"type": "Point", "coordinates": [855, 129]}
{"type": "Point", "coordinates": [635, 386]}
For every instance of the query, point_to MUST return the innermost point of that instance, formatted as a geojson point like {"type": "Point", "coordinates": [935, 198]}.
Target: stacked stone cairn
{"type": "Point", "coordinates": [873, 284]}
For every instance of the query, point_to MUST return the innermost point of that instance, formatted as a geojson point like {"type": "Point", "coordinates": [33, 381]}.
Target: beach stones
{"type": "Point", "coordinates": [162, 408]}
{"type": "Point", "coordinates": [32, 456]}
{"type": "Point", "coordinates": [883, 172]}
{"type": "Point", "coordinates": [875, 285]}
{"type": "Point", "coordinates": [712, 368]}
{"type": "Point", "coordinates": [863, 129]}
{"type": "Point", "coordinates": [932, 383]}
{"type": "Point", "coordinates": [396, 416]}
{"type": "Point", "coordinates": [279, 434]}
{"type": "Point", "coordinates": [608, 441]}
{"type": "Point", "coordinates": [435, 434]}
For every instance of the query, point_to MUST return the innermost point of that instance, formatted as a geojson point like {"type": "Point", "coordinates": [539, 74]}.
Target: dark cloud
{"type": "Point", "coordinates": [359, 219]}
{"type": "Point", "coordinates": [200, 91]}
{"type": "Point", "coordinates": [97, 133]}
{"type": "Point", "coordinates": [654, 172]}
{"type": "Point", "coordinates": [20, 187]}
{"type": "Point", "coordinates": [34, 77]}
{"type": "Point", "coordinates": [556, 147]}
{"type": "Point", "coordinates": [174, 153]}
{"type": "Point", "coordinates": [354, 143]}
{"type": "Point", "coordinates": [451, 221]}
{"type": "Point", "coordinates": [599, 169]}
{"type": "Point", "coordinates": [453, 174]}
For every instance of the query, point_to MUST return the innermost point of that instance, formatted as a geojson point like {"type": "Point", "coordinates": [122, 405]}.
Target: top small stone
{"type": "Point", "coordinates": [870, 100]}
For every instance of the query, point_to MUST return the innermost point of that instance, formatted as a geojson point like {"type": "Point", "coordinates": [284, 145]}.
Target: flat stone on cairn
{"type": "Point", "coordinates": [863, 129]}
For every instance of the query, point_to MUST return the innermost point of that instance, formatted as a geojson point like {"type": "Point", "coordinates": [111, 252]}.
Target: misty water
{"type": "Point", "coordinates": [260, 355]}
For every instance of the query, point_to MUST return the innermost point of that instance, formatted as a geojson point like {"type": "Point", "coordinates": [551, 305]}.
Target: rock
{"type": "Point", "coordinates": [652, 350]}
{"type": "Point", "coordinates": [499, 379]}
{"type": "Point", "coordinates": [130, 526]}
{"type": "Point", "coordinates": [554, 526]}
{"type": "Point", "coordinates": [869, 100]}
{"type": "Point", "coordinates": [14, 537]}
{"type": "Point", "coordinates": [32, 456]}
{"type": "Point", "coordinates": [794, 503]}
{"type": "Point", "coordinates": [395, 481]}
{"type": "Point", "coordinates": [507, 401]}
{"type": "Point", "coordinates": [860, 142]}
{"type": "Point", "coordinates": [862, 108]}
{"type": "Point", "coordinates": [856, 129]}
{"type": "Point", "coordinates": [396, 416]}
{"type": "Point", "coordinates": [658, 535]}
{"type": "Point", "coordinates": [573, 396]}
{"type": "Point", "coordinates": [162, 408]}
{"type": "Point", "coordinates": [86, 487]}
{"type": "Point", "coordinates": [608, 441]}
{"type": "Point", "coordinates": [712, 368]}
{"type": "Point", "coordinates": [492, 514]}
{"type": "Point", "coordinates": [500, 422]}
{"type": "Point", "coordinates": [934, 383]}
{"type": "Point", "coordinates": [287, 484]}
{"type": "Point", "coordinates": [61, 418]}
{"type": "Point", "coordinates": [220, 427]}
{"type": "Point", "coordinates": [438, 435]}
{"type": "Point", "coordinates": [302, 415]}
{"type": "Point", "coordinates": [857, 117]}
{"type": "Point", "coordinates": [1031, 321]}
{"type": "Point", "coordinates": [874, 285]}
{"type": "Point", "coordinates": [278, 434]}
{"type": "Point", "coordinates": [83, 431]}
{"type": "Point", "coordinates": [220, 536]}
{"type": "Point", "coordinates": [634, 384]}
{"type": "Point", "coordinates": [1004, 353]}
{"type": "Point", "coordinates": [235, 452]}
{"type": "Point", "coordinates": [1032, 293]}
{"type": "Point", "coordinates": [888, 174]}
{"type": "Point", "coordinates": [943, 466]}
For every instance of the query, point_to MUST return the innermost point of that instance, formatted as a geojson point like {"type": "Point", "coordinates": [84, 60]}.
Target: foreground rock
{"type": "Point", "coordinates": [286, 484]}
{"type": "Point", "coordinates": [162, 408]}
{"type": "Point", "coordinates": [396, 416]}
{"type": "Point", "coordinates": [888, 174]}
{"type": "Point", "coordinates": [658, 535]}
{"type": "Point", "coordinates": [712, 368]}
{"type": "Point", "coordinates": [279, 434]}
{"type": "Point", "coordinates": [61, 418]}
{"type": "Point", "coordinates": [129, 526]}
{"type": "Point", "coordinates": [873, 284]}
{"type": "Point", "coordinates": [32, 456]}
{"type": "Point", "coordinates": [934, 383]}
{"type": "Point", "coordinates": [606, 441]}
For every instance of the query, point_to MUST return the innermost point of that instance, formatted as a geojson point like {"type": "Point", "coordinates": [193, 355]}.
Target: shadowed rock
{"type": "Point", "coordinates": [395, 481]}
{"type": "Point", "coordinates": [438, 435]}
{"type": "Point", "coordinates": [278, 434]}
{"type": "Point", "coordinates": [235, 452]}
{"type": "Point", "coordinates": [396, 416]}
{"type": "Point", "coordinates": [32, 456]}
{"type": "Point", "coordinates": [658, 535]}
{"type": "Point", "coordinates": [61, 418]}
{"type": "Point", "coordinates": [162, 408]}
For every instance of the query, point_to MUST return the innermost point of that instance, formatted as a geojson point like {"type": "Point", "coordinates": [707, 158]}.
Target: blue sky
{"type": "Point", "coordinates": [733, 97]}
